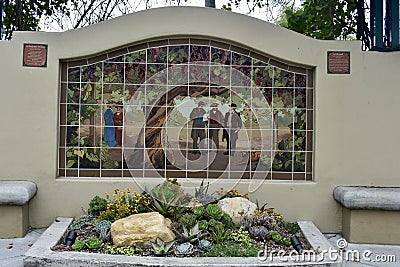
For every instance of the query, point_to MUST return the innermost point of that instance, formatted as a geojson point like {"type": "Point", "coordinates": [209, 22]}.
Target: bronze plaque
{"type": "Point", "coordinates": [35, 55]}
{"type": "Point", "coordinates": [338, 62]}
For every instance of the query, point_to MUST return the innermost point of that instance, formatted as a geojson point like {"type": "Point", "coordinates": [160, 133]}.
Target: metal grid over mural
{"type": "Point", "coordinates": [185, 108]}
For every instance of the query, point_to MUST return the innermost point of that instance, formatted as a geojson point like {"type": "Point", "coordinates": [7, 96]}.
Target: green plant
{"type": "Point", "coordinates": [213, 211]}
{"type": "Point", "coordinates": [276, 237]}
{"type": "Point", "coordinates": [160, 247]}
{"type": "Point", "coordinates": [81, 222]}
{"type": "Point", "coordinates": [78, 245]}
{"type": "Point", "coordinates": [286, 241]}
{"type": "Point", "coordinates": [103, 229]}
{"type": "Point", "coordinates": [291, 227]}
{"type": "Point", "coordinates": [232, 249]}
{"type": "Point", "coordinates": [128, 251]}
{"type": "Point", "coordinates": [190, 234]}
{"type": "Point", "coordinates": [96, 205]}
{"type": "Point", "coordinates": [90, 244]}
{"type": "Point", "coordinates": [203, 225]}
{"type": "Point", "coordinates": [188, 220]}
{"type": "Point", "coordinates": [240, 236]}
{"type": "Point", "coordinates": [123, 204]}
{"type": "Point", "coordinates": [93, 243]}
{"type": "Point", "coordinates": [198, 211]}
{"type": "Point", "coordinates": [217, 231]}
{"type": "Point", "coordinates": [227, 221]}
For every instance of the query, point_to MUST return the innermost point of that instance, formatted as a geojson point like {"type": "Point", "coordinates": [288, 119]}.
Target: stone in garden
{"type": "Point", "coordinates": [237, 207]}
{"type": "Point", "coordinates": [141, 228]}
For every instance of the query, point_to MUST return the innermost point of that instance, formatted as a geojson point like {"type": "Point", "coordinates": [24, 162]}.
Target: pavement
{"type": "Point", "coordinates": [12, 251]}
{"type": "Point", "coordinates": [357, 255]}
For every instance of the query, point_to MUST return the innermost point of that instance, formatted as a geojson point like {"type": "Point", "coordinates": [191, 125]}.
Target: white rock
{"type": "Point", "coordinates": [237, 207]}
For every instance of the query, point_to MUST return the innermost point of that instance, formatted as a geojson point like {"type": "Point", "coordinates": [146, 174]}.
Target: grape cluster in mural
{"type": "Point", "coordinates": [185, 108]}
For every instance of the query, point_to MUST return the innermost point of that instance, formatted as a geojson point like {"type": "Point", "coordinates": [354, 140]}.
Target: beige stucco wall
{"type": "Point", "coordinates": [356, 115]}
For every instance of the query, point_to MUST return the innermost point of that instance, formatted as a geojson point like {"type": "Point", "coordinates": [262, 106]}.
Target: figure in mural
{"type": "Point", "coordinates": [215, 120]}
{"type": "Point", "coordinates": [232, 124]}
{"type": "Point", "coordinates": [109, 130]}
{"type": "Point", "coordinates": [198, 131]}
{"type": "Point", "coordinates": [118, 122]}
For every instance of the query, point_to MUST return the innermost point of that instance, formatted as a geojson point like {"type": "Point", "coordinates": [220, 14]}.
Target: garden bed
{"type": "Point", "coordinates": [167, 222]}
{"type": "Point", "coordinates": [41, 255]}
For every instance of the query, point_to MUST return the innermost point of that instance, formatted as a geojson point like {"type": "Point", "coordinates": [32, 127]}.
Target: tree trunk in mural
{"type": "Point", "coordinates": [156, 119]}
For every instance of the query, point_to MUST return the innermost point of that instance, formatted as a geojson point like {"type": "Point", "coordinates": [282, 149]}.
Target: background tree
{"type": "Point", "coordinates": [25, 15]}
{"type": "Point", "coordinates": [328, 20]}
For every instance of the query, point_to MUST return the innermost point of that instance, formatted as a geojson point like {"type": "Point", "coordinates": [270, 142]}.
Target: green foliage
{"type": "Point", "coordinates": [96, 205]}
{"type": "Point", "coordinates": [81, 222]}
{"type": "Point", "coordinates": [203, 225]}
{"type": "Point", "coordinates": [31, 13]}
{"type": "Point", "coordinates": [227, 221]}
{"type": "Point", "coordinates": [327, 20]}
{"type": "Point", "coordinates": [188, 220]}
{"type": "Point", "coordinates": [276, 237]}
{"type": "Point", "coordinates": [291, 227]}
{"type": "Point", "coordinates": [123, 204]}
{"type": "Point", "coordinates": [217, 231]}
{"type": "Point", "coordinates": [190, 234]}
{"type": "Point", "coordinates": [78, 245]}
{"type": "Point", "coordinates": [103, 229]}
{"type": "Point", "coordinates": [93, 243]}
{"type": "Point", "coordinates": [213, 211]}
{"type": "Point", "coordinates": [90, 244]}
{"type": "Point", "coordinates": [160, 247]}
{"type": "Point", "coordinates": [286, 242]}
{"type": "Point", "coordinates": [232, 249]}
{"type": "Point", "coordinates": [198, 211]}
{"type": "Point", "coordinates": [128, 251]}
{"type": "Point", "coordinates": [240, 236]}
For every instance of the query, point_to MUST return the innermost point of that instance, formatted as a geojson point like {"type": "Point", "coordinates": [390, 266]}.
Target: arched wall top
{"type": "Point", "coordinates": [161, 23]}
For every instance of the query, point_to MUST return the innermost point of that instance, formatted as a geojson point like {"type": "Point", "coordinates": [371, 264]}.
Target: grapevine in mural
{"type": "Point", "coordinates": [186, 111]}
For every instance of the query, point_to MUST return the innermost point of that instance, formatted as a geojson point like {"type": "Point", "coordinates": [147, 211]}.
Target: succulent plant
{"type": "Point", "coordinates": [198, 211]}
{"type": "Point", "coordinates": [292, 228]}
{"type": "Point", "coordinates": [205, 198]}
{"type": "Point", "coordinates": [191, 235]}
{"type": "Point", "coordinates": [81, 222]}
{"type": "Point", "coordinates": [188, 220]}
{"type": "Point", "coordinates": [184, 249]}
{"type": "Point", "coordinates": [160, 247]}
{"type": "Point", "coordinates": [103, 229]}
{"type": "Point", "coordinates": [203, 225]}
{"type": "Point", "coordinates": [213, 211]}
{"type": "Point", "coordinates": [259, 233]}
{"type": "Point", "coordinates": [204, 246]}
{"type": "Point", "coordinates": [276, 237]}
{"type": "Point", "coordinates": [286, 241]}
{"type": "Point", "coordinates": [227, 221]}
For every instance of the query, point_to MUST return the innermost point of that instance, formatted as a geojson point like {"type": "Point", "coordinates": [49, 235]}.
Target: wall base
{"type": "Point", "coordinates": [371, 226]}
{"type": "Point", "coordinates": [14, 221]}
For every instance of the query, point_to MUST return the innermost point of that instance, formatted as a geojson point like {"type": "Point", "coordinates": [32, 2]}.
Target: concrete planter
{"type": "Point", "coordinates": [41, 255]}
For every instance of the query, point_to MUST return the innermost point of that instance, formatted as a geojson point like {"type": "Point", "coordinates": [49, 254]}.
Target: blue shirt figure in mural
{"type": "Point", "coordinates": [109, 130]}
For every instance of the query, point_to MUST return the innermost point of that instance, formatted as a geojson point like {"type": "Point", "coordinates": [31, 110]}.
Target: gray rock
{"type": "Point", "coordinates": [237, 207]}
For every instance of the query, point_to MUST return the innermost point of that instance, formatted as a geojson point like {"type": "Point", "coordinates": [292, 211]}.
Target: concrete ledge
{"type": "Point", "coordinates": [16, 192]}
{"type": "Point", "coordinates": [41, 255]}
{"type": "Point", "coordinates": [368, 198]}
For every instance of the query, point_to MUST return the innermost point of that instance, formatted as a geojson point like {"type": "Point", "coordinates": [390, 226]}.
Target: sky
{"type": "Point", "coordinates": [138, 5]}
